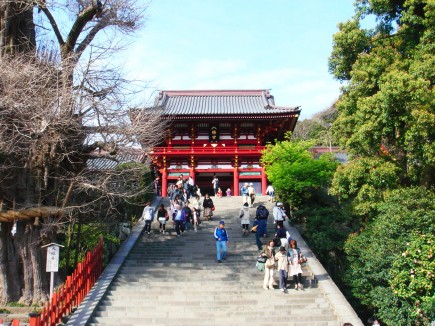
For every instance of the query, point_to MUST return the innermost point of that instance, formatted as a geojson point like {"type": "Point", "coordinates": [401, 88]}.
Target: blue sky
{"type": "Point", "coordinates": [282, 45]}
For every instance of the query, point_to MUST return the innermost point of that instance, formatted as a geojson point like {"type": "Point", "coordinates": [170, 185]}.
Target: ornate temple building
{"type": "Point", "coordinates": [219, 132]}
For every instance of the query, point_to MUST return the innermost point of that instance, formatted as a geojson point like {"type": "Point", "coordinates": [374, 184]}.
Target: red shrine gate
{"type": "Point", "coordinates": [219, 132]}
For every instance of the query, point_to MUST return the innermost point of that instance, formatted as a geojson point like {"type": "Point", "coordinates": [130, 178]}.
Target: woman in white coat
{"type": "Point", "coordinates": [245, 218]}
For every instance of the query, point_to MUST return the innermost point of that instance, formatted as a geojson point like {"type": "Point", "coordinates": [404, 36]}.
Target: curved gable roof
{"type": "Point", "coordinates": [220, 102]}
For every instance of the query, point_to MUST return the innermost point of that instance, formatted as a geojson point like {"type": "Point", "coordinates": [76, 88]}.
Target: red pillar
{"type": "Point", "coordinates": [164, 183]}
{"type": "Point", "coordinates": [192, 165]}
{"type": "Point", "coordinates": [34, 319]}
{"type": "Point", "coordinates": [236, 182]}
{"type": "Point", "coordinates": [263, 182]}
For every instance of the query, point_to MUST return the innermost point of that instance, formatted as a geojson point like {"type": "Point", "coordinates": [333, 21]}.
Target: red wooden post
{"type": "Point", "coordinates": [15, 322]}
{"type": "Point", "coordinates": [88, 273]}
{"type": "Point", "coordinates": [263, 182]}
{"type": "Point", "coordinates": [68, 301]}
{"type": "Point", "coordinates": [73, 291]}
{"type": "Point", "coordinates": [43, 315]}
{"type": "Point", "coordinates": [164, 182]}
{"type": "Point", "coordinates": [34, 319]}
{"type": "Point", "coordinates": [236, 181]}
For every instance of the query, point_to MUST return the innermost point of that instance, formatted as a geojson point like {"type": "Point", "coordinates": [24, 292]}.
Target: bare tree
{"type": "Point", "coordinates": [317, 128]}
{"type": "Point", "coordinates": [61, 107]}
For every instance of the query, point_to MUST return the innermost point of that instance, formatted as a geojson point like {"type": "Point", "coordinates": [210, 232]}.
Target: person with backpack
{"type": "Point", "coordinates": [221, 237]}
{"type": "Point", "coordinates": [260, 221]}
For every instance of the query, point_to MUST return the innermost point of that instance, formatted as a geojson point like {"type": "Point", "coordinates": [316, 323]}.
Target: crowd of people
{"type": "Point", "coordinates": [280, 257]}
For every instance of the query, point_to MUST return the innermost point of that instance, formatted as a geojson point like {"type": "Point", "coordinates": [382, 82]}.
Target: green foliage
{"type": "Point", "coordinates": [310, 130]}
{"type": "Point", "coordinates": [375, 251]}
{"type": "Point", "coordinates": [386, 121]}
{"type": "Point", "coordinates": [326, 230]}
{"type": "Point", "coordinates": [364, 181]}
{"type": "Point", "coordinates": [90, 236]}
{"type": "Point", "coordinates": [294, 172]}
{"type": "Point", "coordinates": [348, 43]}
{"type": "Point", "coordinates": [16, 304]}
{"type": "Point", "coordinates": [389, 99]}
{"type": "Point", "coordinates": [413, 277]}
{"type": "Point", "coordinates": [4, 311]}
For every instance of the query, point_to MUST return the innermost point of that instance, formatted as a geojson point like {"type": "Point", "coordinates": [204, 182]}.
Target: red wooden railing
{"type": "Point", "coordinates": [216, 151]}
{"type": "Point", "coordinates": [73, 291]}
{"type": "Point", "coordinates": [14, 322]}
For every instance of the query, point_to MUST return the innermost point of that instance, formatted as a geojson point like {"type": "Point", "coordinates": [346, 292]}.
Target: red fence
{"type": "Point", "coordinates": [73, 291]}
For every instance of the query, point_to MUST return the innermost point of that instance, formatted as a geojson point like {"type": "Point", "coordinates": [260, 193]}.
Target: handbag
{"type": "Point", "coordinates": [212, 208]}
{"type": "Point", "coordinates": [261, 259]}
{"type": "Point", "coordinates": [303, 260]}
{"type": "Point", "coordinates": [260, 266]}
{"type": "Point", "coordinates": [254, 229]}
{"type": "Point", "coordinates": [162, 220]}
{"type": "Point", "coordinates": [270, 263]}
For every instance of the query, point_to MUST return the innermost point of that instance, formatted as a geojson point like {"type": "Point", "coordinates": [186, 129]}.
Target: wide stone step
{"type": "Point", "coordinates": [222, 321]}
{"type": "Point", "coordinates": [206, 296]}
{"type": "Point", "coordinates": [169, 280]}
{"type": "Point", "coordinates": [255, 319]}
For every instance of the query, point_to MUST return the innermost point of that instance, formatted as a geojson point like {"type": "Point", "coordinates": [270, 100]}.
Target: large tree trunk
{"type": "Point", "coordinates": [31, 273]}
{"type": "Point", "coordinates": [22, 244]}
{"type": "Point", "coordinates": [17, 30]}
{"type": "Point", "coordinates": [38, 259]}
{"type": "Point", "coordinates": [9, 267]}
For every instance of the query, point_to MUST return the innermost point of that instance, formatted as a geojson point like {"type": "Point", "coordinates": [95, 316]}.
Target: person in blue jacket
{"type": "Point", "coordinates": [221, 237]}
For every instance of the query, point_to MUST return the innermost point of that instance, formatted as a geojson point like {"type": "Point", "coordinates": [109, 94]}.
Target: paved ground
{"type": "Point", "coordinates": [169, 280]}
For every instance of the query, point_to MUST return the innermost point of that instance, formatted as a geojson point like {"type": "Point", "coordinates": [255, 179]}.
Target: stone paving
{"type": "Point", "coordinates": [161, 279]}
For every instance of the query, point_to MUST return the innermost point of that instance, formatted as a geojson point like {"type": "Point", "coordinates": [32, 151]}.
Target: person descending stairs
{"type": "Point", "coordinates": [170, 280]}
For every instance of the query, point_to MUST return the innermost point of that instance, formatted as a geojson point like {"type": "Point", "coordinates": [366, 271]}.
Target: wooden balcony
{"type": "Point", "coordinates": [198, 151]}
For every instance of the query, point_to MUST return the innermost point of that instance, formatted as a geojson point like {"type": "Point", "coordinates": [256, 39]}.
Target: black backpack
{"type": "Point", "coordinates": [262, 213]}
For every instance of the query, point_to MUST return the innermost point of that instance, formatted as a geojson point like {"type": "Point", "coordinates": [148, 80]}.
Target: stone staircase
{"type": "Point", "coordinates": [169, 280]}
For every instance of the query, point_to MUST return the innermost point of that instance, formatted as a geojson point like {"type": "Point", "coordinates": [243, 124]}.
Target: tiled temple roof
{"type": "Point", "coordinates": [109, 162]}
{"type": "Point", "coordinates": [220, 102]}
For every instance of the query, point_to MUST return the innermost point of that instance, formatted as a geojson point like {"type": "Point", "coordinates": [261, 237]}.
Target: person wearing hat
{"type": "Point", "coordinates": [221, 237]}
{"type": "Point", "coordinates": [279, 214]}
{"type": "Point", "coordinates": [283, 264]}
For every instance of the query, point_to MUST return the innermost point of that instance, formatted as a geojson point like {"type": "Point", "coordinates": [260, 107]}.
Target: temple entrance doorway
{"type": "Point", "coordinates": [203, 181]}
